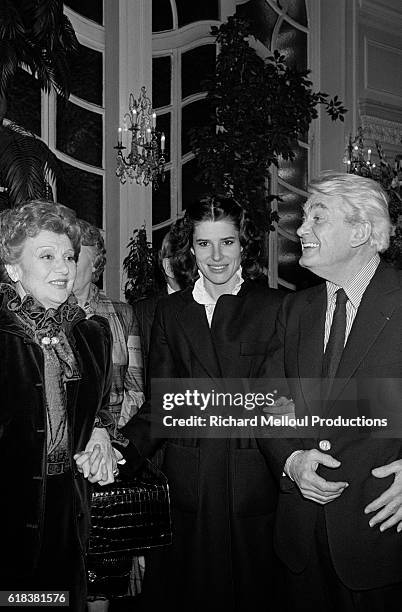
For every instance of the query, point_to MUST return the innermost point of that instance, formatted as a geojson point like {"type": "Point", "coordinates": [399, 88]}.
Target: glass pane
{"type": "Point", "coordinates": [83, 192]}
{"type": "Point", "coordinates": [293, 45]}
{"type": "Point", "coordinates": [196, 66]}
{"type": "Point", "coordinates": [189, 11]}
{"type": "Point", "coordinates": [295, 172]}
{"type": "Point", "coordinates": [289, 255]}
{"type": "Point", "coordinates": [192, 116]}
{"type": "Point", "coordinates": [163, 125]}
{"type": "Point", "coordinates": [191, 188]}
{"type": "Point", "coordinates": [24, 101]}
{"type": "Point", "coordinates": [296, 9]}
{"type": "Point", "coordinates": [87, 75]}
{"type": "Point", "coordinates": [161, 200]}
{"type": "Point", "coordinates": [162, 18]}
{"type": "Point", "coordinates": [290, 210]}
{"type": "Point", "coordinates": [262, 17]}
{"type": "Point", "coordinates": [92, 9]}
{"type": "Point", "coordinates": [161, 81]}
{"type": "Point", "coordinates": [79, 133]}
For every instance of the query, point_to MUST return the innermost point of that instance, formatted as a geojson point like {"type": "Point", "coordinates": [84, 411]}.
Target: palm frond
{"type": "Point", "coordinates": [38, 34]}
{"type": "Point", "coordinates": [26, 163]}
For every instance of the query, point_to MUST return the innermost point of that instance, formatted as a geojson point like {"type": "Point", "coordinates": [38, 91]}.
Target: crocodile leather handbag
{"type": "Point", "coordinates": [129, 517]}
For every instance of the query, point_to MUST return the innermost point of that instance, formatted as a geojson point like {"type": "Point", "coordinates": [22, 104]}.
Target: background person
{"type": "Point", "coordinates": [348, 332]}
{"type": "Point", "coordinates": [173, 278]}
{"type": "Point", "coordinates": [127, 393]}
{"type": "Point", "coordinates": [222, 494]}
{"type": "Point", "coordinates": [54, 388]}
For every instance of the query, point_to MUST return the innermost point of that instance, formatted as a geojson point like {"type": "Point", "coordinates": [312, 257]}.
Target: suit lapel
{"type": "Point", "coordinates": [378, 304]}
{"type": "Point", "coordinates": [193, 321]}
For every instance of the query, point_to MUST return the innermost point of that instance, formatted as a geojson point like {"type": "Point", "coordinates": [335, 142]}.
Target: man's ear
{"type": "Point", "coordinates": [167, 267]}
{"type": "Point", "coordinates": [361, 234]}
{"type": "Point", "coordinates": [13, 272]}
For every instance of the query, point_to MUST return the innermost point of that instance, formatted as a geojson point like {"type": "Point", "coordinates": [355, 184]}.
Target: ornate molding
{"type": "Point", "coordinates": [382, 130]}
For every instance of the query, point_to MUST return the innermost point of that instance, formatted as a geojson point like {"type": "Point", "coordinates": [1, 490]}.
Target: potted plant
{"type": "Point", "coordinates": [141, 267]}
{"type": "Point", "coordinates": [259, 108]}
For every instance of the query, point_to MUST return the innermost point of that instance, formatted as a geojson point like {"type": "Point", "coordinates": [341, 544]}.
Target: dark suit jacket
{"type": "Point", "coordinates": [222, 493]}
{"type": "Point", "coordinates": [370, 369]}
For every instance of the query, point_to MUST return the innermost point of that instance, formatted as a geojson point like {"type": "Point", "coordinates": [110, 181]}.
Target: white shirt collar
{"type": "Point", "coordinates": [356, 287]}
{"type": "Point", "coordinates": [201, 295]}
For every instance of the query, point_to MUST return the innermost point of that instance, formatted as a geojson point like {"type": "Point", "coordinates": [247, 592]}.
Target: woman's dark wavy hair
{"type": "Point", "coordinates": [215, 208]}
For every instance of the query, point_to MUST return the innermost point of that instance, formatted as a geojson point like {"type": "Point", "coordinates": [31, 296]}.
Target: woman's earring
{"type": "Point", "coordinates": [12, 272]}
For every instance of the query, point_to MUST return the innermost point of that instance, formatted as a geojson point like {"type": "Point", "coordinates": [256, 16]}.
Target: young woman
{"type": "Point", "coordinates": [222, 494]}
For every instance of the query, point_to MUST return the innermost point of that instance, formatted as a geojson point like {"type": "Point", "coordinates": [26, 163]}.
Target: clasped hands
{"type": "Point", "coordinates": [302, 470]}
{"type": "Point", "coordinates": [98, 462]}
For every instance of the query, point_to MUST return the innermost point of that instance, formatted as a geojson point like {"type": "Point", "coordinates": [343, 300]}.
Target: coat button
{"type": "Point", "coordinates": [325, 445]}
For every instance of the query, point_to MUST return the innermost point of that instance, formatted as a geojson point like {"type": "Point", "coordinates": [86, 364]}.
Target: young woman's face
{"type": "Point", "coordinates": [217, 251]}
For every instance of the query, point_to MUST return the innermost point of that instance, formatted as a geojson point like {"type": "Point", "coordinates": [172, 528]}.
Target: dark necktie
{"type": "Point", "coordinates": [336, 340]}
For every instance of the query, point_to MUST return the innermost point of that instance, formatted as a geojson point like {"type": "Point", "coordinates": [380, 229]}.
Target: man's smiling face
{"type": "Point", "coordinates": [326, 236]}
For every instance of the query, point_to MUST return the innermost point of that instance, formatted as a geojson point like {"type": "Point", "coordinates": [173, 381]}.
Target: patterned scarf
{"type": "Point", "coordinates": [47, 328]}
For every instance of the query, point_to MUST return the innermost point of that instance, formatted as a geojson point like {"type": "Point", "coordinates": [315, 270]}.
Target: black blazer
{"type": "Point", "coordinates": [223, 495]}
{"type": "Point", "coordinates": [370, 368]}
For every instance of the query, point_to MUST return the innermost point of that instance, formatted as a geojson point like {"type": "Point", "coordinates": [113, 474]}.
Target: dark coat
{"type": "Point", "coordinates": [23, 434]}
{"type": "Point", "coordinates": [144, 312]}
{"type": "Point", "coordinates": [222, 493]}
{"type": "Point", "coordinates": [370, 371]}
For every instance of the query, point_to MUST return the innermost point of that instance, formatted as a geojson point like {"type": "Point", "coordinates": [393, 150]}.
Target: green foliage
{"type": "Point", "coordinates": [140, 267]}
{"type": "Point", "coordinates": [258, 111]}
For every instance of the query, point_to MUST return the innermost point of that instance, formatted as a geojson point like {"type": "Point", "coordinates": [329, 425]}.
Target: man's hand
{"type": "Point", "coordinates": [282, 407]}
{"type": "Point", "coordinates": [302, 469]}
{"type": "Point", "coordinates": [389, 503]}
{"type": "Point", "coordinates": [97, 462]}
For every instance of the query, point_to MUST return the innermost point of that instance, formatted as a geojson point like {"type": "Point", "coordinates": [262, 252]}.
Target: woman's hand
{"type": "Point", "coordinates": [98, 462]}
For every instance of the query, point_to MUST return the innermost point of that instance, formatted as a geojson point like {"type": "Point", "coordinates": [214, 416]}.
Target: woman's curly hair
{"type": "Point", "coordinates": [215, 208]}
{"type": "Point", "coordinates": [28, 220]}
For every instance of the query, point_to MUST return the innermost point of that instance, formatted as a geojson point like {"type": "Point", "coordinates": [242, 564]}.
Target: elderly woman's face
{"type": "Point", "coordinates": [46, 268]}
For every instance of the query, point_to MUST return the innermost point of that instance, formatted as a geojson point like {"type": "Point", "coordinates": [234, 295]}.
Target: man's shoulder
{"type": "Point", "coordinates": [304, 296]}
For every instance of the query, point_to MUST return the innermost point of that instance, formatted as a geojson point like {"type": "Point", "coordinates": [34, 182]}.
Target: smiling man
{"type": "Point", "coordinates": [345, 333]}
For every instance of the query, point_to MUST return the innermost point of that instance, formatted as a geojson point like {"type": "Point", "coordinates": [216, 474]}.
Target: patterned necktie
{"type": "Point", "coordinates": [336, 340]}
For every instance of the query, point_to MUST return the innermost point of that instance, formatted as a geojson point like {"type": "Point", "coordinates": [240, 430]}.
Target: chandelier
{"type": "Point", "coordinates": [358, 160]}
{"type": "Point", "coordinates": [145, 160]}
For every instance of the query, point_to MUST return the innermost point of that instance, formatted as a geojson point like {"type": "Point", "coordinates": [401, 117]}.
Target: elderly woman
{"type": "Point", "coordinates": [55, 381]}
{"type": "Point", "coordinates": [223, 496]}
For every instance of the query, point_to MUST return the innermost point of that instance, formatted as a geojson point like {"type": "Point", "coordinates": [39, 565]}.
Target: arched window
{"type": "Point", "coordinates": [183, 56]}
{"type": "Point", "coordinates": [283, 25]}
